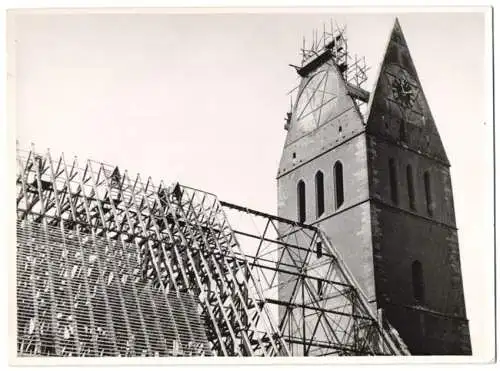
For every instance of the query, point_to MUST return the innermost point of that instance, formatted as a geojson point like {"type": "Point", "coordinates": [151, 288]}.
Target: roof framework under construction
{"type": "Point", "coordinates": [109, 265]}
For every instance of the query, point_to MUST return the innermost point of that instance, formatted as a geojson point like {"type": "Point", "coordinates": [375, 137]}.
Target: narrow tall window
{"type": "Point", "coordinates": [320, 288]}
{"type": "Point", "coordinates": [320, 194]}
{"type": "Point", "coordinates": [417, 276]}
{"type": "Point", "coordinates": [319, 249]}
{"type": "Point", "coordinates": [301, 201]}
{"type": "Point", "coordinates": [393, 179]}
{"type": "Point", "coordinates": [428, 192]}
{"type": "Point", "coordinates": [411, 189]}
{"type": "Point", "coordinates": [339, 184]}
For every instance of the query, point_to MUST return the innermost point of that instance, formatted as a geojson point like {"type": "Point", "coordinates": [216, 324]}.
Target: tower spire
{"type": "Point", "coordinates": [398, 107]}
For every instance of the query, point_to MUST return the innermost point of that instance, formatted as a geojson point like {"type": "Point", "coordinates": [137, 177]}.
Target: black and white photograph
{"type": "Point", "coordinates": [281, 183]}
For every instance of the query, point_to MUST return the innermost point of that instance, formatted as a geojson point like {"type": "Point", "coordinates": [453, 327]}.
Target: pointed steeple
{"type": "Point", "coordinates": [398, 109]}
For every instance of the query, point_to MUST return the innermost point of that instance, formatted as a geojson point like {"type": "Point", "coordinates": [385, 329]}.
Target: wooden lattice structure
{"type": "Point", "coordinates": [108, 265]}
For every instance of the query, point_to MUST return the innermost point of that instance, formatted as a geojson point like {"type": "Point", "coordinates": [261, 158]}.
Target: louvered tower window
{"type": "Point", "coordinates": [393, 180]}
{"type": "Point", "coordinates": [428, 192]}
{"type": "Point", "coordinates": [411, 188]}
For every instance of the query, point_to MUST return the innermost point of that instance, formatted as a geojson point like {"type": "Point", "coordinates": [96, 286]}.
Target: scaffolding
{"type": "Point", "coordinates": [110, 265]}
{"type": "Point", "coordinates": [330, 47]}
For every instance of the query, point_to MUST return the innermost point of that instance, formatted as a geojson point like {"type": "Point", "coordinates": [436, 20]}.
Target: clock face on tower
{"type": "Point", "coordinates": [403, 91]}
{"type": "Point", "coordinates": [405, 94]}
{"type": "Point", "coordinates": [316, 101]}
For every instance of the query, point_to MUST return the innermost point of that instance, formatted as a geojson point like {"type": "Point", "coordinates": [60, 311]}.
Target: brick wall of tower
{"type": "Point", "coordinates": [401, 235]}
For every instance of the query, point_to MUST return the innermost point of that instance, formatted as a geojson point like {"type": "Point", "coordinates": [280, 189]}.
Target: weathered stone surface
{"type": "Point", "coordinates": [425, 232]}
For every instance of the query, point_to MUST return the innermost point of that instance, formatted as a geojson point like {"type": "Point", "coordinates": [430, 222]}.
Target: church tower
{"type": "Point", "coordinates": [379, 186]}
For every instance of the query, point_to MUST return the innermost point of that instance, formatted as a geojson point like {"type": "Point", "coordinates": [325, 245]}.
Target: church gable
{"type": "Point", "coordinates": [323, 116]}
{"type": "Point", "coordinates": [399, 110]}
{"type": "Point", "coordinates": [322, 97]}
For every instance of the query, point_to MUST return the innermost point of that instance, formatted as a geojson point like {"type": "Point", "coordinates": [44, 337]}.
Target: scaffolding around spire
{"type": "Point", "coordinates": [331, 46]}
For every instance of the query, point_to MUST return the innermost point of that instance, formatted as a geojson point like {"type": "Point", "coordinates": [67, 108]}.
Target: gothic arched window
{"type": "Point", "coordinates": [301, 201]}
{"type": "Point", "coordinates": [339, 184]}
{"type": "Point", "coordinates": [417, 276]}
{"type": "Point", "coordinates": [320, 194]}
{"type": "Point", "coordinates": [411, 188]}
{"type": "Point", "coordinates": [428, 192]}
{"type": "Point", "coordinates": [393, 180]}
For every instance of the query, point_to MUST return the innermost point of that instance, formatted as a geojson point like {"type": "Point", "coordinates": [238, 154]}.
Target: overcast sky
{"type": "Point", "coordinates": [202, 98]}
